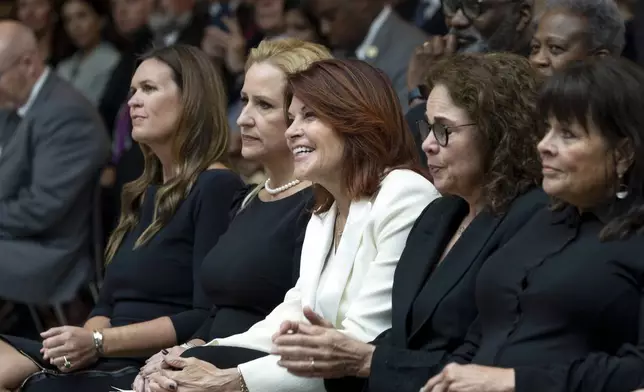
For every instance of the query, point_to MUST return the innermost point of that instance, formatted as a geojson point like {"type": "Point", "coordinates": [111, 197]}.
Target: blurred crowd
{"type": "Point", "coordinates": [75, 182]}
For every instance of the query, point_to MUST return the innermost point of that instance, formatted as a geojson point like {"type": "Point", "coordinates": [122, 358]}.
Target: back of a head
{"type": "Point", "coordinates": [359, 102]}
{"type": "Point", "coordinates": [606, 28]}
{"type": "Point", "coordinates": [288, 54]}
{"type": "Point", "coordinates": [203, 129]}
{"type": "Point", "coordinates": [499, 91]}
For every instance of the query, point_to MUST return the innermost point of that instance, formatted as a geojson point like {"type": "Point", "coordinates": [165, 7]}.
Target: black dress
{"type": "Point", "coordinates": [156, 279]}
{"type": "Point", "coordinates": [247, 274]}
{"type": "Point", "coordinates": [562, 308]}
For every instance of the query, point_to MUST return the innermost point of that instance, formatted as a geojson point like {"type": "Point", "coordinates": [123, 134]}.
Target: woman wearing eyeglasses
{"type": "Point", "coordinates": [480, 137]}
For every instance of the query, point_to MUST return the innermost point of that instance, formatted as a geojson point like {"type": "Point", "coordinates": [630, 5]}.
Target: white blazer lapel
{"type": "Point", "coordinates": [359, 213]}
{"type": "Point", "coordinates": [317, 242]}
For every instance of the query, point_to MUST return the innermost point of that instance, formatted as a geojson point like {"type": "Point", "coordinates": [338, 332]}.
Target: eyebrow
{"type": "Point", "coordinates": [264, 97]}
{"type": "Point", "coordinates": [442, 120]}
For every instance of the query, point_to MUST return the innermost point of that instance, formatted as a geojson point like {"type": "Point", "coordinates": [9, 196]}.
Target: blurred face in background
{"type": "Point", "coordinates": [15, 85]}
{"type": "Point", "coordinates": [269, 16]}
{"type": "Point", "coordinates": [82, 24]}
{"type": "Point", "coordinates": [344, 23]}
{"type": "Point", "coordinates": [130, 15]}
{"type": "Point", "coordinates": [560, 39]}
{"type": "Point", "coordinates": [166, 11]}
{"type": "Point", "coordinates": [487, 26]}
{"type": "Point", "coordinates": [38, 15]}
{"type": "Point", "coordinates": [298, 26]}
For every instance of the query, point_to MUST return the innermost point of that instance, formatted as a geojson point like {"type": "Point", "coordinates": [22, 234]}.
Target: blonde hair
{"type": "Point", "coordinates": [289, 55]}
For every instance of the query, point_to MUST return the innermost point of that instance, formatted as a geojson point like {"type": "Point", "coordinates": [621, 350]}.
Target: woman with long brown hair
{"type": "Point", "coordinates": [349, 138]}
{"type": "Point", "coordinates": [171, 217]}
{"type": "Point", "coordinates": [257, 260]}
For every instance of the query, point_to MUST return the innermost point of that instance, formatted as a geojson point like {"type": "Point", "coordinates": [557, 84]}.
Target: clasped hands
{"type": "Point", "coordinates": [168, 372]}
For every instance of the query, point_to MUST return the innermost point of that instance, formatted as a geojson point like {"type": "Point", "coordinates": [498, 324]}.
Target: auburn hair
{"type": "Point", "coordinates": [358, 102]}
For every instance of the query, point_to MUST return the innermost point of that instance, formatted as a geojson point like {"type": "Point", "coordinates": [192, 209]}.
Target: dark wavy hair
{"type": "Point", "coordinates": [499, 91]}
{"type": "Point", "coordinates": [608, 94]}
{"type": "Point", "coordinates": [201, 139]}
{"type": "Point", "coordinates": [358, 102]}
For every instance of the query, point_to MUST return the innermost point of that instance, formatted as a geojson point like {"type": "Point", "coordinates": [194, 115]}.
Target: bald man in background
{"type": "Point", "coordinates": [52, 146]}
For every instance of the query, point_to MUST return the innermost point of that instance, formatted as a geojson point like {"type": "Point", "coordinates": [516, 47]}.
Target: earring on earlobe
{"type": "Point", "coordinates": [622, 189]}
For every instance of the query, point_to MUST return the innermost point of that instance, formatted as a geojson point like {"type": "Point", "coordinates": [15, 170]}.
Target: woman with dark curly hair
{"type": "Point", "coordinates": [561, 305]}
{"type": "Point", "coordinates": [480, 136]}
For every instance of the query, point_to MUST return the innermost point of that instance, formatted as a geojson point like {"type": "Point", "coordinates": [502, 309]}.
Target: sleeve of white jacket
{"type": "Point", "coordinates": [402, 197]}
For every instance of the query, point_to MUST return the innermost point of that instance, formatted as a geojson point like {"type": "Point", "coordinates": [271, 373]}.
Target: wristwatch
{"type": "Point", "coordinates": [98, 341]}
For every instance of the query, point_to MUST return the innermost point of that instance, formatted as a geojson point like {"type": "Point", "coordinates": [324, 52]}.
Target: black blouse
{"type": "Point", "coordinates": [561, 307]}
{"type": "Point", "coordinates": [247, 273]}
{"type": "Point", "coordinates": [156, 279]}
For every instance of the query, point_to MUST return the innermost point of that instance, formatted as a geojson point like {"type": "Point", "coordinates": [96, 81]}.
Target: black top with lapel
{"type": "Point", "coordinates": [433, 303]}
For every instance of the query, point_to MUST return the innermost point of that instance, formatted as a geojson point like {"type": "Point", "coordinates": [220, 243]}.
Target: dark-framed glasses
{"type": "Point", "coordinates": [472, 9]}
{"type": "Point", "coordinates": [441, 132]}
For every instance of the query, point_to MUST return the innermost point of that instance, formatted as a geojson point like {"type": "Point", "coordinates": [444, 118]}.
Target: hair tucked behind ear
{"type": "Point", "coordinates": [200, 140]}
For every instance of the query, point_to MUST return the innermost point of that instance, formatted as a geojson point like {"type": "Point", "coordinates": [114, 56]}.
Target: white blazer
{"type": "Point", "coordinates": [374, 237]}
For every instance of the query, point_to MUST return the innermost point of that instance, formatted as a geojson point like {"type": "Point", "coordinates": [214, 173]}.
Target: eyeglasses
{"type": "Point", "coordinates": [472, 9]}
{"type": "Point", "coordinates": [440, 131]}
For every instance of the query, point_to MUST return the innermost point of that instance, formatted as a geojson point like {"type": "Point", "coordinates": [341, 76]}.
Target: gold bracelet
{"type": "Point", "coordinates": [242, 383]}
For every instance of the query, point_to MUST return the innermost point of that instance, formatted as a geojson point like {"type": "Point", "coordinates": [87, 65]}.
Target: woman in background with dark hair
{"type": "Point", "coordinates": [90, 68]}
{"type": "Point", "coordinates": [349, 137]}
{"type": "Point", "coordinates": [301, 22]}
{"type": "Point", "coordinates": [171, 217]}
{"type": "Point", "coordinates": [43, 17]}
{"type": "Point", "coordinates": [560, 306]}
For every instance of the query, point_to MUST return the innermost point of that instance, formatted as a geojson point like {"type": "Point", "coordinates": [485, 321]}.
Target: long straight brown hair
{"type": "Point", "coordinates": [359, 102]}
{"type": "Point", "coordinates": [201, 139]}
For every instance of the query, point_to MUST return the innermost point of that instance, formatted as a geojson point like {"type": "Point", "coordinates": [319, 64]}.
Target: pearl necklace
{"type": "Point", "coordinates": [279, 189]}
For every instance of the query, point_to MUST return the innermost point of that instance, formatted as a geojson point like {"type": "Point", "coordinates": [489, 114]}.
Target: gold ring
{"type": "Point", "coordinates": [312, 363]}
{"type": "Point", "coordinates": [67, 364]}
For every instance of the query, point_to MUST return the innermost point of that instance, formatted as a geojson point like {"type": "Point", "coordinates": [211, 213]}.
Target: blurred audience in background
{"type": "Point", "coordinates": [90, 67]}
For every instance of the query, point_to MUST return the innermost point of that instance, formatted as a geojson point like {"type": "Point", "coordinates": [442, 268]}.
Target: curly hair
{"type": "Point", "coordinates": [499, 91]}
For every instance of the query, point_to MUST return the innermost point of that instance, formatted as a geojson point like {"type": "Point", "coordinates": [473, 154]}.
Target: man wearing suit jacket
{"type": "Point", "coordinates": [370, 31]}
{"type": "Point", "coordinates": [52, 145]}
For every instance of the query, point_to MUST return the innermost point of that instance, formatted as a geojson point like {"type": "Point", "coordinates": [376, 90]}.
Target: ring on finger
{"type": "Point", "coordinates": [66, 364]}
{"type": "Point", "coordinates": [312, 364]}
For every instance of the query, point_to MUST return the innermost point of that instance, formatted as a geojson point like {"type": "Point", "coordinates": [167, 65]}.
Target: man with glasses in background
{"type": "Point", "coordinates": [475, 26]}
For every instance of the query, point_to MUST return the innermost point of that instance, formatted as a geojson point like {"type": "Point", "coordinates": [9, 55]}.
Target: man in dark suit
{"type": "Point", "coordinates": [52, 146]}
{"type": "Point", "coordinates": [370, 31]}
